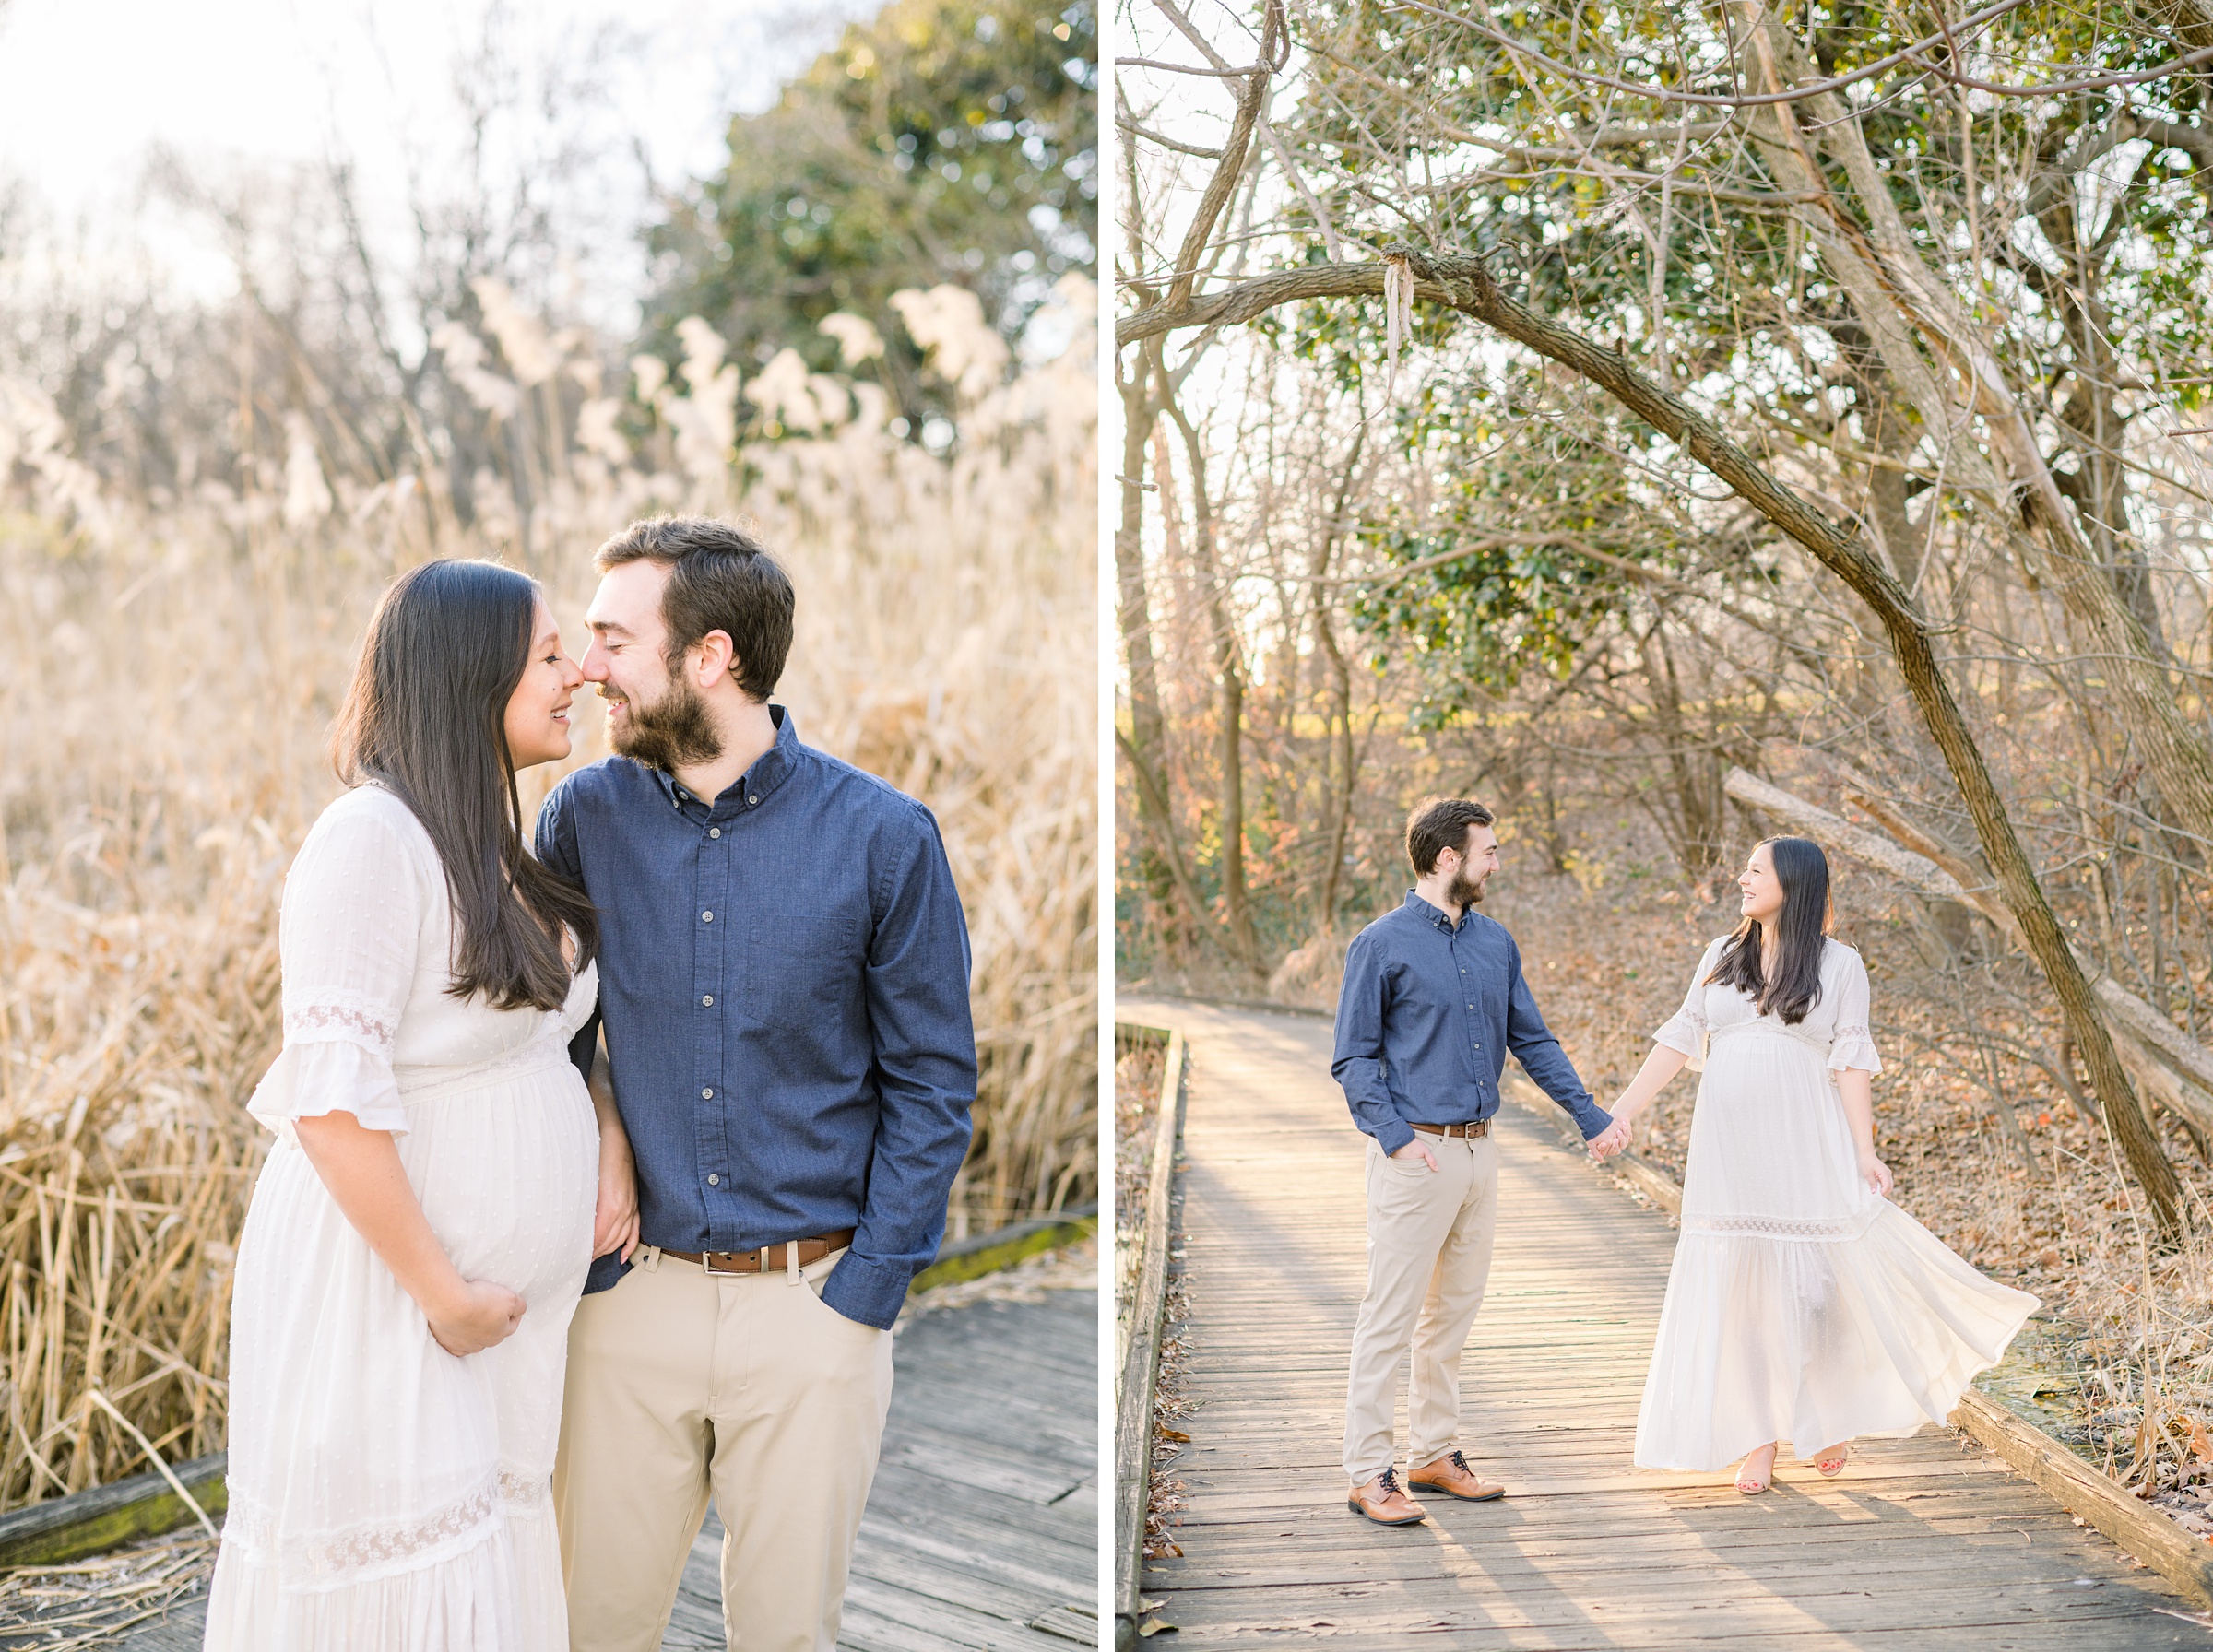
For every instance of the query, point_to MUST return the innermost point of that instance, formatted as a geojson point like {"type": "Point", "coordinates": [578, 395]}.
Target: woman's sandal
{"type": "Point", "coordinates": [1831, 1464]}
{"type": "Point", "coordinates": [1752, 1488]}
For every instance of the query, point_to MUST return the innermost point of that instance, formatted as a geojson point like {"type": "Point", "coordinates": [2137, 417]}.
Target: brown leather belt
{"type": "Point", "coordinates": [769, 1259]}
{"type": "Point", "coordinates": [1481, 1126]}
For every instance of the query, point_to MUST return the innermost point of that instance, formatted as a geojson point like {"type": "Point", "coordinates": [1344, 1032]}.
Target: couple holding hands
{"type": "Point", "coordinates": [501, 1324]}
{"type": "Point", "coordinates": [1803, 1307]}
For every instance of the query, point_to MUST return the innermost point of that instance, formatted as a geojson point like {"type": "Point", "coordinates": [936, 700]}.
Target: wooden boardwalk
{"type": "Point", "coordinates": [1922, 1543]}
{"type": "Point", "coordinates": [982, 1527]}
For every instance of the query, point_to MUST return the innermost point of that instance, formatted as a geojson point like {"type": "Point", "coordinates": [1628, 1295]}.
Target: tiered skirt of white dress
{"type": "Point", "coordinates": [1802, 1306]}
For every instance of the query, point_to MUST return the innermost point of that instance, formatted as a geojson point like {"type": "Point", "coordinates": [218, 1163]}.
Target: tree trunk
{"type": "Point", "coordinates": [1146, 744]}
{"type": "Point", "coordinates": [1339, 776]}
{"type": "Point", "coordinates": [1229, 680]}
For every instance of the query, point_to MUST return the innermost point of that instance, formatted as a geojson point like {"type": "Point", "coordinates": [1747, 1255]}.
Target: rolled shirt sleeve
{"type": "Point", "coordinates": [925, 1042]}
{"type": "Point", "coordinates": [1358, 1061]}
{"type": "Point", "coordinates": [1542, 1057]}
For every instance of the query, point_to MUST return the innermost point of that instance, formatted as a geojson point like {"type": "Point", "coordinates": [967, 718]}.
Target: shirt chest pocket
{"type": "Point", "coordinates": [799, 957]}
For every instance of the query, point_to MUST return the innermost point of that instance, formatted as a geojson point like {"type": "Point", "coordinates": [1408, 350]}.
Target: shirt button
{"type": "Point", "coordinates": [717, 832]}
{"type": "Point", "coordinates": [706, 1095]}
{"type": "Point", "coordinates": [708, 1000]}
{"type": "Point", "coordinates": [753, 797]}
{"type": "Point", "coordinates": [714, 1181]}
{"type": "Point", "coordinates": [708, 917]}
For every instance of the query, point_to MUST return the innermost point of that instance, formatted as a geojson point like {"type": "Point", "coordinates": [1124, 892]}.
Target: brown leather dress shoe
{"type": "Point", "coordinates": [1451, 1475]}
{"type": "Point", "coordinates": [1382, 1500]}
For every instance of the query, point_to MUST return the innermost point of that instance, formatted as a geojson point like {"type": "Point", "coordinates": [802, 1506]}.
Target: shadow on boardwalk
{"type": "Point", "coordinates": [982, 1528]}
{"type": "Point", "coordinates": [1923, 1543]}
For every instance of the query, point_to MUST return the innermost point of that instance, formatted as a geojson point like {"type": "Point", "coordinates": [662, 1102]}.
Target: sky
{"type": "Point", "coordinates": [89, 87]}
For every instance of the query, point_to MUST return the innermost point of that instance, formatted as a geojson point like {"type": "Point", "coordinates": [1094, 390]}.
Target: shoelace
{"type": "Point", "coordinates": [1391, 1482]}
{"type": "Point", "coordinates": [1461, 1463]}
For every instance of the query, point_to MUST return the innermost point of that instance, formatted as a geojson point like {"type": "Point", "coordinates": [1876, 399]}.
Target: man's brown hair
{"type": "Point", "coordinates": [720, 578]}
{"type": "Point", "coordinates": [1438, 824]}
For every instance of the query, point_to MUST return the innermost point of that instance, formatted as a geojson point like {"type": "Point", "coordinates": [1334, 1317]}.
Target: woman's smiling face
{"type": "Point", "coordinates": [537, 712]}
{"type": "Point", "coordinates": [1762, 890]}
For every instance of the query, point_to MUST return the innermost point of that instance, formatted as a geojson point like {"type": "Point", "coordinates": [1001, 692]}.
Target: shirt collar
{"type": "Point", "coordinates": [770, 770]}
{"type": "Point", "coordinates": [1422, 909]}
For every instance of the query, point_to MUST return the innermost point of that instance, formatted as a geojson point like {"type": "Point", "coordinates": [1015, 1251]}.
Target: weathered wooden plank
{"type": "Point", "coordinates": [92, 1522]}
{"type": "Point", "coordinates": [1867, 1603]}
{"type": "Point", "coordinates": [2187, 1562]}
{"type": "Point", "coordinates": [1133, 1383]}
{"type": "Point", "coordinates": [996, 1465]}
{"type": "Point", "coordinates": [980, 1254]}
{"type": "Point", "coordinates": [2118, 1632]}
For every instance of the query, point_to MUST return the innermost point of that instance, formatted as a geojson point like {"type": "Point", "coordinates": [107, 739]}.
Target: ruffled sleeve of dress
{"type": "Point", "coordinates": [1685, 1029]}
{"type": "Point", "coordinates": [352, 919]}
{"type": "Point", "coordinates": [1853, 1045]}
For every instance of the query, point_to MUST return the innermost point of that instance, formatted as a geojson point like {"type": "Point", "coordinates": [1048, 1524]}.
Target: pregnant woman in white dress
{"type": "Point", "coordinates": [419, 1236]}
{"type": "Point", "coordinates": [1803, 1307]}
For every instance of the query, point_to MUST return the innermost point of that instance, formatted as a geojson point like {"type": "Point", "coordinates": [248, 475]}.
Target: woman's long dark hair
{"type": "Point", "coordinates": [426, 717]}
{"type": "Point", "coordinates": [1801, 925]}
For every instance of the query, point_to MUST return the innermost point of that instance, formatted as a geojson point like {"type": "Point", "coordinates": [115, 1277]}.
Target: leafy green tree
{"type": "Point", "coordinates": [943, 141]}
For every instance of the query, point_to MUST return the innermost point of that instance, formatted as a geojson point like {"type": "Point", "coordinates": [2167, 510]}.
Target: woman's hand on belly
{"type": "Point", "coordinates": [476, 1316]}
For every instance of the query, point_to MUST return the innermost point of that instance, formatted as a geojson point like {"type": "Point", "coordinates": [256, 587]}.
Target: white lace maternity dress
{"type": "Point", "coordinates": [1802, 1306]}
{"type": "Point", "coordinates": [384, 1494]}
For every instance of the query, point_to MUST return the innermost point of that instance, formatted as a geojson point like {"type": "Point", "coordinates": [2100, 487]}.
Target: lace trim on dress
{"type": "Point", "coordinates": [1799, 1033]}
{"type": "Point", "coordinates": [1832, 1229]}
{"type": "Point", "coordinates": [530, 1493]}
{"type": "Point", "coordinates": [1687, 1031]}
{"type": "Point", "coordinates": [1854, 1046]}
{"type": "Point", "coordinates": [549, 1047]}
{"type": "Point", "coordinates": [350, 1017]}
{"type": "Point", "coordinates": [365, 1547]}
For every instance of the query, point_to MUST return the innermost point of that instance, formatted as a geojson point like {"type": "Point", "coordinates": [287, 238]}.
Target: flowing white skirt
{"type": "Point", "coordinates": [1802, 1306]}
{"type": "Point", "coordinates": [384, 1494]}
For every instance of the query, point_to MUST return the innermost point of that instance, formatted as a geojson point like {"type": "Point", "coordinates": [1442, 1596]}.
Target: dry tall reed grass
{"type": "Point", "coordinates": [172, 673]}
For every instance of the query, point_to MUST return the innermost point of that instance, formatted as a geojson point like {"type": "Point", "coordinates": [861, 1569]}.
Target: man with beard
{"type": "Point", "coordinates": [784, 987]}
{"type": "Point", "coordinates": [1433, 1000]}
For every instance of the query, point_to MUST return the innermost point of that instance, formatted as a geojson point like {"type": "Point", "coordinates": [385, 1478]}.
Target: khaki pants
{"type": "Point", "coordinates": [749, 1385]}
{"type": "Point", "coordinates": [1428, 1257]}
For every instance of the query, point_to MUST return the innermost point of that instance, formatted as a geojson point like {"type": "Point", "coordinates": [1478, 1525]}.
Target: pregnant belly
{"type": "Point", "coordinates": [507, 1174]}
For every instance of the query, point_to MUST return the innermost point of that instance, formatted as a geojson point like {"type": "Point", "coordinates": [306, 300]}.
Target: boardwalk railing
{"type": "Point", "coordinates": [1133, 1382]}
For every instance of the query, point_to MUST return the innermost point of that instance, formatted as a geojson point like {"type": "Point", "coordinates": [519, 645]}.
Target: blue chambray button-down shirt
{"type": "Point", "coordinates": [1428, 1011]}
{"type": "Point", "coordinates": [784, 985]}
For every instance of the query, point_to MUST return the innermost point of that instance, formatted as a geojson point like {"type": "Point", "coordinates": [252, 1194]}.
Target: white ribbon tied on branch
{"type": "Point", "coordinates": [1398, 314]}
